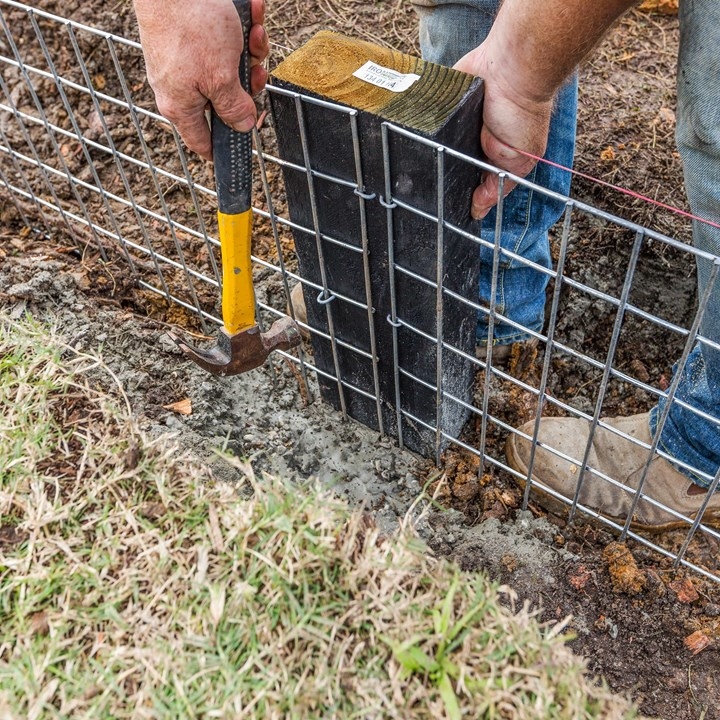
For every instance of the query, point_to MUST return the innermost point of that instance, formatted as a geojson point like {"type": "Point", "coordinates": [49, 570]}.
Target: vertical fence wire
{"type": "Point", "coordinates": [363, 199]}
{"type": "Point", "coordinates": [487, 382]}
{"type": "Point", "coordinates": [325, 297]}
{"type": "Point", "coordinates": [555, 304]}
{"type": "Point", "coordinates": [439, 302]}
{"type": "Point", "coordinates": [387, 202]}
{"type": "Point", "coordinates": [617, 325]}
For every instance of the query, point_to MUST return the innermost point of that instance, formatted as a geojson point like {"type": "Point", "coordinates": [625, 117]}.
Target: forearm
{"type": "Point", "coordinates": [539, 44]}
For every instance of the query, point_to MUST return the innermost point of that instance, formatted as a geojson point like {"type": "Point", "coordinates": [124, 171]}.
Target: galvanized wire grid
{"type": "Point", "coordinates": [80, 155]}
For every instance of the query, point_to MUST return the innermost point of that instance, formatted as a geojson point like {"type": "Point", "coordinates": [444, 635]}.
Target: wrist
{"type": "Point", "coordinates": [517, 72]}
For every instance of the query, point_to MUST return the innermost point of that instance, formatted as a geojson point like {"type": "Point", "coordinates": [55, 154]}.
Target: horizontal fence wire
{"type": "Point", "coordinates": [83, 155]}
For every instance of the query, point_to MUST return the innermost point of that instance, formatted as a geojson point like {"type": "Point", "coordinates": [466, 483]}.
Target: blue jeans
{"type": "Point", "coordinates": [448, 30]}
{"type": "Point", "coordinates": [687, 436]}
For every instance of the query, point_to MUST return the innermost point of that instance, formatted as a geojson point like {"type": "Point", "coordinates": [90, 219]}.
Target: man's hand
{"type": "Point", "coordinates": [532, 48]}
{"type": "Point", "coordinates": [192, 52]}
{"type": "Point", "coordinates": [509, 121]}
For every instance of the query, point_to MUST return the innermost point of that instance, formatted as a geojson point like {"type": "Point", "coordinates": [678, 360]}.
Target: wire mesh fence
{"type": "Point", "coordinates": [85, 156]}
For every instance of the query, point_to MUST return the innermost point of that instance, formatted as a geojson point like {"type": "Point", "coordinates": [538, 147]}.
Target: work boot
{"type": "Point", "coordinates": [297, 300]}
{"type": "Point", "coordinates": [500, 353]}
{"type": "Point", "coordinates": [617, 458]}
{"type": "Point", "coordinates": [517, 356]}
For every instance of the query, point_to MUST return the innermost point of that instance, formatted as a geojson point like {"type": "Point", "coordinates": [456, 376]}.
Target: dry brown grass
{"type": "Point", "coordinates": [132, 585]}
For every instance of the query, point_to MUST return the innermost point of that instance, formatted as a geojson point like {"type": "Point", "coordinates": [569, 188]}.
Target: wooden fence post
{"type": "Point", "coordinates": [349, 228]}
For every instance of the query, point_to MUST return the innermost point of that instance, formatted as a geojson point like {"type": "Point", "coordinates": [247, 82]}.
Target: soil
{"type": "Point", "coordinates": [631, 611]}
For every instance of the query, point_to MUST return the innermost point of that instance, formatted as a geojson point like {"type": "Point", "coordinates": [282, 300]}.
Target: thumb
{"type": "Point", "coordinates": [235, 107]}
{"type": "Point", "coordinates": [468, 63]}
{"type": "Point", "coordinates": [487, 194]}
{"type": "Point", "coordinates": [503, 157]}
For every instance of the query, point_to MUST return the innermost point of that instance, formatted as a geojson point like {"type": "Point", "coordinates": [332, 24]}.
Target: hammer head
{"type": "Point", "coordinates": [243, 351]}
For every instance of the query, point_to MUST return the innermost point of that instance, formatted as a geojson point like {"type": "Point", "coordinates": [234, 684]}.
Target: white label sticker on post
{"type": "Point", "coordinates": [385, 77]}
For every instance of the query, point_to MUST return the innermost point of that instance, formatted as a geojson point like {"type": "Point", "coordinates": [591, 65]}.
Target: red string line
{"type": "Point", "coordinates": [617, 188]}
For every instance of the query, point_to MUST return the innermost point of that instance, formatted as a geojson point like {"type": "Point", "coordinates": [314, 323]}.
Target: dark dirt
{"type": "Point", "coordinates": [631, 631]}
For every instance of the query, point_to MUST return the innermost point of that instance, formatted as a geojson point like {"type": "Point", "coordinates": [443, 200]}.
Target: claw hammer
{"type": "Point", "coordinates": [240, 346]}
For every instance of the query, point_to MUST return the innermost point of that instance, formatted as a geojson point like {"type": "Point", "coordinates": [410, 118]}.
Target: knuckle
{"type": "Point", "coordinates": [168, 109]}
{"type": "Point", "coordinates": [232, 103]}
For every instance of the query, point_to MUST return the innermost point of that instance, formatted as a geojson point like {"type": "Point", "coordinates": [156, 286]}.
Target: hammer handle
{"type": "Point", "coordinates": [232, 150]}
{"type": "Point", "coordinates": [232, 154]}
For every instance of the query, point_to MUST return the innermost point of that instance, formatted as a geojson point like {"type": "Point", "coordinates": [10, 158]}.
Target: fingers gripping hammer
{"type": "Point", "coordinates": [240, 346]}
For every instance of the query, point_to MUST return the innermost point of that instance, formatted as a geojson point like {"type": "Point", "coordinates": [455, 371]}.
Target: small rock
{"type": "Point", "coordinates": [18, 310]}
{"type": "Point", "coordinates": [167, 345]}
{"type": "Point", "coordinates": [22, 290]}
{"type": "Point", "coordinates": [712, 610]}
{"type": "Point", "coordinates": [524, 519]}
{"type": "Point", "coordinates": [173, 423]}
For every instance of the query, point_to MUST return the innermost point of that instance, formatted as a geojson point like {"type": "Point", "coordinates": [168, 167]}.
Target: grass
{"type": "Point", "coordinates": [134, 585]}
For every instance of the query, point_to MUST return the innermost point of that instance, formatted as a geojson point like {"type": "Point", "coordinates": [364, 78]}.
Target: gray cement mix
{"type": "Point", "coordinates": [261, 415]}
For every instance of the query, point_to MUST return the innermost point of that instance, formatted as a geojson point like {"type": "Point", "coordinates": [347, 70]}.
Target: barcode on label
{"type": "Point", "coordinates": [384, 77]}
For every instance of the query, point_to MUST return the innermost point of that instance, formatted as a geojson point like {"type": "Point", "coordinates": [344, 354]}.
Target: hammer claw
{"type": "Point", "coordinates": [243, 351]}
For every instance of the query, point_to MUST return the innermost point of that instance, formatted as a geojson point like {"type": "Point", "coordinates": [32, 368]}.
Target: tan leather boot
{"type": "Point", "coordinates": [618, 458]}
{"type": "Point", "coordinates": [522, 353]}
{"type": "Point", "coordinates": [297, 300]}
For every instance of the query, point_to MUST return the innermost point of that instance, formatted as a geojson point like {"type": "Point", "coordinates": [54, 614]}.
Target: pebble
{"type": "Point", "coordinates": [167, 345]}
{"type": "Point", "coordinates": [173, 423]}
{"type": "Point", "coordinates": [712, 609]}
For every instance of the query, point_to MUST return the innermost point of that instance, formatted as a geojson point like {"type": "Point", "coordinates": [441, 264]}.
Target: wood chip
{"type": "Point", "coordinates": [697, 642]}
{"type": "Point", "coordinates": [152, 510]}
{"type": "Point", "coordinates": [662, 7]}
{"type": "Point", "coordinates": [685, 590]}
{"type": "Point", "coordinates": [608, 154]}
{"type": "Point", "coordinates": [131, 458]}
{"type": "Point", "coordinates": [181, 407]}
{"type": "Point", "coordinates": [580, 579]}
{"type": "Point", "coordinates": [39, 623]}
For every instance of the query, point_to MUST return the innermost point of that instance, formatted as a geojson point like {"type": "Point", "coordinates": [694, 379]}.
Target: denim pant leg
{"type": "Point", "coordinates": [688, 436]}
{"type": "Point", "coordinates": [448, 30]}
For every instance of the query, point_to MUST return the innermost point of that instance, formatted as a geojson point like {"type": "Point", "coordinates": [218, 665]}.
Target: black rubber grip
{"type": "Point", "coordinates": [232, 150]}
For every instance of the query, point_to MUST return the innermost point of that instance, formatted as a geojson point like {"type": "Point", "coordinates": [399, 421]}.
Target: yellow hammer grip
{"type": "Point", "coordinates": [238, 297]}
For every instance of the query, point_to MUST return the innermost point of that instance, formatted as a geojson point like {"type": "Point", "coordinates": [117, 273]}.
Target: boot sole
{"type": "Point", "coordinates": [553, 505]}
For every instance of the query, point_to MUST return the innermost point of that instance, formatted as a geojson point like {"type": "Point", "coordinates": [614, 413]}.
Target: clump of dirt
{"type": "Point", "coordinates": [625, 575]}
